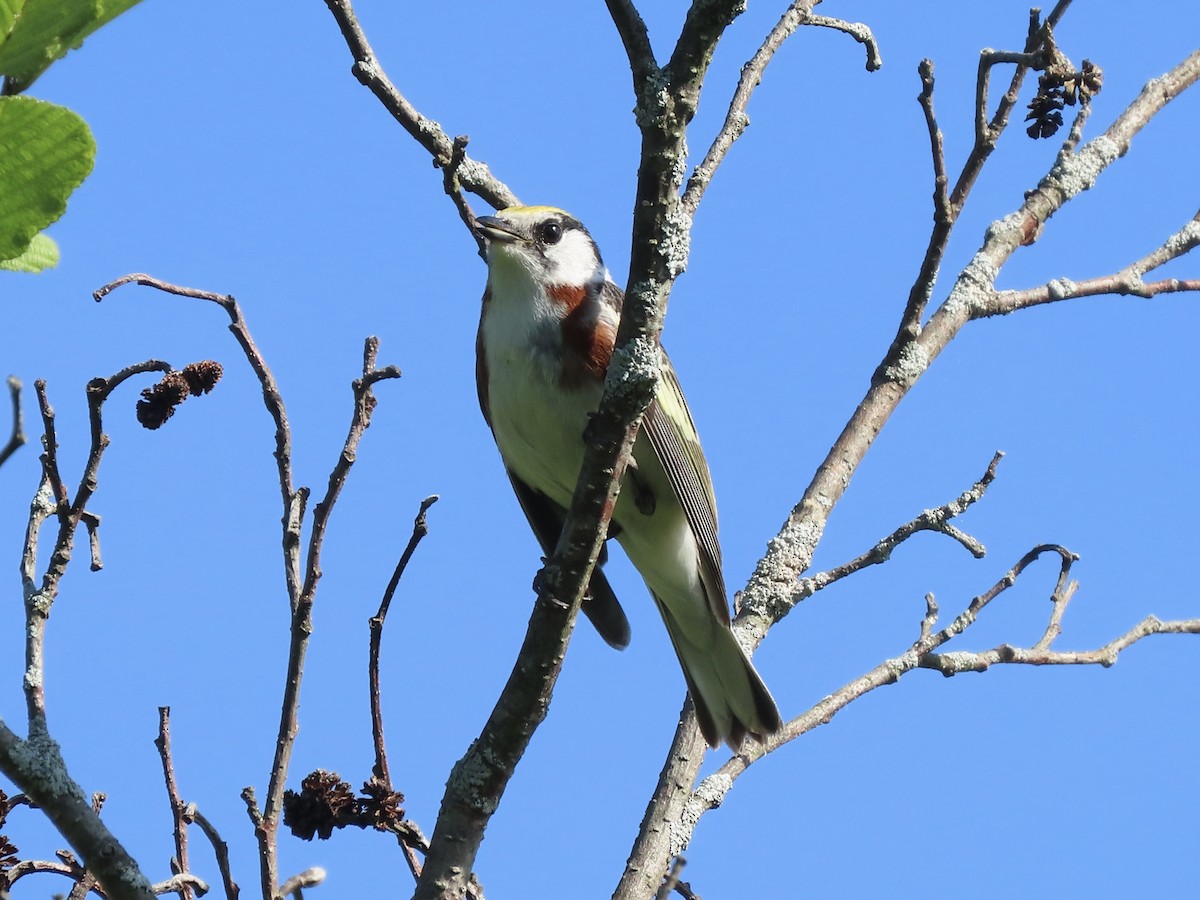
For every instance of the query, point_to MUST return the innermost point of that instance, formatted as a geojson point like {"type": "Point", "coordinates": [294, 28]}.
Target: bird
{"type": "Point", "coordinates": [546, 335]}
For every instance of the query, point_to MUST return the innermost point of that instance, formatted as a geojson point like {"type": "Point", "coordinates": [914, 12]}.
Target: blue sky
{"type": "Point", "coordinates": [238, 154]}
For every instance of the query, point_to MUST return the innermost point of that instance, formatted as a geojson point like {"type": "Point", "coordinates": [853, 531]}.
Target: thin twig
{"type": "Point", "coordinates": [182, 881]}
{"type": "Point", "coordinates": [301, 590]}
{"type": "Point", "coordinates": [308, 878]}
{"type": "Point", "coordinates": [1129, 281]}
{"type": "Point", "coordinates": [671, 881]}
{"type": "Point", "coordinates": [472, 174]}
{"type": "Point", "coordinates": [453, 188]}
{"type": "Point", "coordinates": [293, 500]}
{"type": "Point", "coordinates": [220, 849]}
{"type": "Point", "coordinates": [736, 119]}
{"type": "Point", "coordinates": [987, 134]}
{"type": "Point", "coordinates": [92, 522]}
{"type": "Point", "coordinates": [921, 655]}
{"type": "Point", "coordinates": [16, 438]}
{"type": "Point", "coordinates": [420, 529]}
{"type": "Point", "coordinates": [301, 625]}
{"type": "Point", "coordinates": [941, 201]}
{"type": "Point", "coordinates": [178, 819]}
{"type": "Point", "coordinates": [930, 520]}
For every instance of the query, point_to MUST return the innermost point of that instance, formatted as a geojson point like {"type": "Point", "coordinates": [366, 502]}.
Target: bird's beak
{"type": "Point", "coordinates": [496, 229]}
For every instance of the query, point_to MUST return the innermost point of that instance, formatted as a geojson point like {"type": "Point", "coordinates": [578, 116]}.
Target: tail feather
{"type": "Point", "coordinates": [730, 697]}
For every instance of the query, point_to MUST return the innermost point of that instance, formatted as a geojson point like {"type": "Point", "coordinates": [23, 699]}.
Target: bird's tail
{"type": "Point", "coordinates": [730, 697]}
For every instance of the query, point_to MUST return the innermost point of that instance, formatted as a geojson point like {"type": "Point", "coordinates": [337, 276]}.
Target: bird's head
{"type": "Point", "coordinates": [542, 243]}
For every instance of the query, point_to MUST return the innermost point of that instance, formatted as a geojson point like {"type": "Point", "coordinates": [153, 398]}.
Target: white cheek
{"type": "Point", "coordinates": [572, 260]}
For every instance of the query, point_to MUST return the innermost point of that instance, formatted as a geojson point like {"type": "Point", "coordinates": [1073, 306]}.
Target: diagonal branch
{"type": "Point", "coordinates": [921, 655]}
{"type": "Point", "coordinates": [673, 795]}
{"type": "Point", "coordinates": [772, 590]}
{"type": "Point", "coordinates": [1129, 281]}
{"type": "Point", "coordinates": [767, 596]}
{"type": "Point", "coordinates": [636, 39]}
{"type": "Point", "coordinates": [474, 175]}
{"type": "Point", "coordinates": [930, 520]}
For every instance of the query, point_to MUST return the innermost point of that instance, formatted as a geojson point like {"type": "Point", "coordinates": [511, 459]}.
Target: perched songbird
{"type": "Point", "coordinates": [546, 334]}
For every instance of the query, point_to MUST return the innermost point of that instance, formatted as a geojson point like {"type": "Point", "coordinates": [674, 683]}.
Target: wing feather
{"type": "Point", "coordinates": [672, 434]}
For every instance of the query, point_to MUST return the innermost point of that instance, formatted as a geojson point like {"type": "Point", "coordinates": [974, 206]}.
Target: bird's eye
{"type": "Point", "coordinates": [550, 232]}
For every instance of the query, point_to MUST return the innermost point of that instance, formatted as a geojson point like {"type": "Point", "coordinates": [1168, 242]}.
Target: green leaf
{"type": "Point", "coordinates": [45, 153]}
{"type": "Point", "coordinates": [35, 33]}
{"type": "Point", "coordinates": [41, 254]}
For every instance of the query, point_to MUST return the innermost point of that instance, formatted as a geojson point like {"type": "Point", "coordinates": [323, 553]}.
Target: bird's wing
{"type": "Point", "coordinates": [601, 606]}
{"type": "Point", "coordinates": [672, 434]}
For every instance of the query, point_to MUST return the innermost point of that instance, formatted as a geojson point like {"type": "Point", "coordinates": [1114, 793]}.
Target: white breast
{"type": "Point", "coordinates": [538, 423]}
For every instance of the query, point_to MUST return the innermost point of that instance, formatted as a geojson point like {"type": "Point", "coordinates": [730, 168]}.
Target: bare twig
{"type": "Point", "coordinates": [220, 849]}
{"type": "Point", "coordinates": [672, 879]}
{"type": "Point", "coordinates": [301, 627]}
{"type": "Point", "coordinates": [921, 655]}
{"type": "Point", "coordinates": [947, 207]}
{"type": "Point", "coordinates": [420, 529]}
{"type": "Point", "coordinates": [930, 520]}
{"type": "Point", "coordinates": [799, 13]}
{"type": "Point", "coordinates": [182, 881]}
{"type": "Point", "coordinates": [941, 201]}
{"type": "Point", "coordinates": [1039, 52]}
{"type": "Point", "coordinates": [35, 763]}
{"type": "Point", "coordinates": [293, 500]}
{"type": "Point", "coordinates": [308, 878]}
{"type": "Point", "coordinates": [767, 596]}
{"type": "Point", "coordinates": [72, 870]}
{"type": "Point", "coordinates": [178, 819]}
{"type": "Point", "coordinates": [92, 522]}
{"type": "Point", "coordinates": [970, 297]}
{"type": "Point", "coordinates": [301, 588]}
{"type": "Point", "coordinates": [16, 438]}
{"type": "Point", "coordinates": [473, 175]}
{"type": "Point", "coordinates": [453, 188]}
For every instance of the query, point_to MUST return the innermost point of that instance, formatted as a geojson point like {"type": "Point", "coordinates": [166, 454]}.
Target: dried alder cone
{"type": "Point", "coordinates": [325, 802]}
{"type": "Point", "coordinates": [1057, 89]}
{"type": "Point", "coordinates": [158, 403]}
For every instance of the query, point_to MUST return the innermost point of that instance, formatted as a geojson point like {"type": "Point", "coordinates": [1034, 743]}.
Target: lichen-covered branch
{"type": "Point", "coordinates": [923, 654]}
{"type": "Point", "coordinates": [1130, 281]}
{"type": "Point", "coordinates": [776, 584]}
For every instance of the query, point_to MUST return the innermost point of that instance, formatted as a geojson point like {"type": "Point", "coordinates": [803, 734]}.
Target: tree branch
{"type": "Point", "coordinates": [16, 438]}
{"type": "Point", "coordinates": [775, 585]}
{"type": "Point", "coordinates": [220, 849]}
{"type": "Point", "coordinates": [636, 40]}
{"type": "Point", "coordinates": [736, 120]}
{"type": "Point", "coordinates": [420, 529]}
{"type": "Point", "coordinates": [179, 820]}
{"type": "Point", "coordinates": [301, 593]}
{"type": "Point", "coordinates": [921, 655]}
{"type": "Point", "coordinates": [1129, 281]}
{"type": "Point", "coordinates": [473, 175]}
